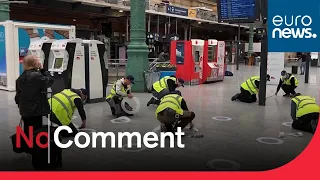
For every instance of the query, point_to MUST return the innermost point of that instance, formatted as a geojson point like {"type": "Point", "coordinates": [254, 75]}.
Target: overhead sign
{"type": "Point", "coordinates": [177, 10]}
{"type": "Point", "coordinates": [238, 11]}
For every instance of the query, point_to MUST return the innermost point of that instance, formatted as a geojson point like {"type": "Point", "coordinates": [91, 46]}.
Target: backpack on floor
{"type": "Point", "coordinates": [40, 155]}
{"type": "Point", "coordinates": [228, 73]}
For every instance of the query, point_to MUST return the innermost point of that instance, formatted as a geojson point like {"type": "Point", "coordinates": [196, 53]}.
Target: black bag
{"type": "Point", "coordinates": [40, 155]}
{"type": "Point", "coordinates": [23, 147]}
{"type": "Point", "coordinates": [228, 73]}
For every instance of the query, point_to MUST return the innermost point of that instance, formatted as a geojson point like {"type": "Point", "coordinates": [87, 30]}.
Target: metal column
{"type": "Point", "coordinates": [238, 48]}
{"type": "Point", "coordinates": [306, 78]}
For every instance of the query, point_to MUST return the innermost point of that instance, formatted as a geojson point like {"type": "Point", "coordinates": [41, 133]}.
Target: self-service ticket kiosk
{"type": "Point", "coordinates": [212, 69]}
{"type": "Point", "coordinates": [187, 55]}
{"type": "Point", "coordinates": [75, 63]}
{"type": "Point", "coordinates": [96, 70]}
{"type": "Point", "coordinates": [41, 49]}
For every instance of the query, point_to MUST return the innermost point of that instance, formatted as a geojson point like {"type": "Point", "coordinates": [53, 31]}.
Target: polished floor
{"type": "Point", "coordinates": [229, 143]}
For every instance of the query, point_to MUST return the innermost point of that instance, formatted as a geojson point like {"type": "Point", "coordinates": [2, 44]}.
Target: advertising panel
{"type": "Point", "coordinates": [180, 53]}
{"type": "Point", "coordinates": [3, 64]}
{"type": "Point", "coordinates": [28, 35]}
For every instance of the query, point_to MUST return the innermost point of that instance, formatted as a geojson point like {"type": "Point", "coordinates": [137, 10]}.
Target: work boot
{"type": "Point", "coordinates": [152, 101]}
{"type": "Point", "coordinates": [113, 111]}
{"type": "Point", "coordinates": [235, 97]}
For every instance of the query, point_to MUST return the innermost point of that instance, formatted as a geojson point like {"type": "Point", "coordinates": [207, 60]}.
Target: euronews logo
{"type": "Point", "coordinates": [296, 27]}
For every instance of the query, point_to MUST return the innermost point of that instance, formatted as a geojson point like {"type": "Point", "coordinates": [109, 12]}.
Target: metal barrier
{"type": "Point", "coordinates": [117, 67]}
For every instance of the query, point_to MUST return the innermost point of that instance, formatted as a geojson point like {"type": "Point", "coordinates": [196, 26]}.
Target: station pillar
{"type": "Point", "coordinates": [4, 11]}
{"type": "Point", "coordinates": [137, 49]}
{"type": "Point", "coordinates": [251, 35]}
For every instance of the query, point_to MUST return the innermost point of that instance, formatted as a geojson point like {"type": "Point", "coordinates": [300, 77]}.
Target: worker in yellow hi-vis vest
{"type": "Point", "coordinates": [63, 105]}
{"type": "Point", "coordinates": [173, 112]}
{"type": "Point", "coordinates": [164, 86]}
{"type": "Point", "coordinates": [249, 90]}
{"type": "Point", "coordinates": [304, 112]}
{"type": "Point", "coordinates": [288, 83]}
{"type": "Point", "coordinates": [121, 88]}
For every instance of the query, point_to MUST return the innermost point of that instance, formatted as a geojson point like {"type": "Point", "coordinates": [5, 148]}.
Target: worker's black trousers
{"type": "Point", "coordinates": [64, 133]}
{"type": "Point", "coordinates": [307, 123]}
{"type": "Point", "coordinates": [288, 89]}
{"type": "Point", "coordinates": [246, 96]}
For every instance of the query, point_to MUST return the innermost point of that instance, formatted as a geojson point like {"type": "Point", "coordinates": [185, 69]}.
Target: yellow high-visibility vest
{"type": "Point", "coordinates": [63, 105]}
{"type": "Point", "coordinates": [305, 105]}
{"type": "Point", "coordinates": [172, 101]}
{"type": "Point", "coordinates": [113, 91]}
{"type": "Point", "coordinates": [162, 83]}
{"type": "Point", "coordinates": [250, 86]}
{"type": "Point", "coordinates": [288, 81]}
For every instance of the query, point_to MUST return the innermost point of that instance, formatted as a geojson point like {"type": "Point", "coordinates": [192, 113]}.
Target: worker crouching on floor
{"type": "Point", "coordinates": [121, 88]}
{"type": "Point", "coordinates": [304, 112]}
{"type": "Point", "coordinates": [288, 83]}
{"type": "Point", "coordinates": [166, 85]}
{"type": "Point", "coordinates": [249, 90]}
{"type": "Point", "coordinates": [63, 105]}
{"type": "Point", "coordinates": [173, 112]}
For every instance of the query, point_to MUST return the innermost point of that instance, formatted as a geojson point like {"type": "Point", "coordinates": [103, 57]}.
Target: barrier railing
{"type": "Point", "coordinates": [117, 67]}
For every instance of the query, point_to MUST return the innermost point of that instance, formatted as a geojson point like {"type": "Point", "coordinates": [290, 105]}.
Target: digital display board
{"type": "Point", "coordinates": [238, 11]}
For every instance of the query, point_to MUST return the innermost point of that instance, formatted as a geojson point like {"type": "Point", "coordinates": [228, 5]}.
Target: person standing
{"type": "Point", "coordinates": [31, 97]}
{"type": "Point", "coordinates": [303, 59]}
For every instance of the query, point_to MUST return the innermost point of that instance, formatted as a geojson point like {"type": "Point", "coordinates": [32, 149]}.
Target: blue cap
{"type": "Point", "coordinates": [130, 78]}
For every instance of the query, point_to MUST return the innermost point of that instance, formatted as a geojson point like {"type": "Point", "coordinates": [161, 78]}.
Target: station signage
{"type": "Point", "coordinates": [177, 10]}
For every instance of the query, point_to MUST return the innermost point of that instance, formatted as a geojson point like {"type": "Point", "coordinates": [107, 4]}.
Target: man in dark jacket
{"type": "Point", "coordinates": [31, 97]}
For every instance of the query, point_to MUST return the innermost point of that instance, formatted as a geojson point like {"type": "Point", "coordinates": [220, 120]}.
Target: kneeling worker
{"type": "Point", "coordinates": [164, 86]}
{"type": "Point", "coordinates": [121, 88]}
{"type": "Point", "coordinates": [63, 105]}
{"type": "Point", "coordinates": [288, 83]}
{"type": "Point", "coordinates": [249, 90]}
{"type": "Point", "coordinates": [173, 112]}
{"type": "Point", "coordinates": [304, 112]}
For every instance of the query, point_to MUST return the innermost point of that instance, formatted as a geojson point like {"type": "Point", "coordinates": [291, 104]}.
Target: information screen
{"type": "Point", "coordinates": [197, 56]}
{"type": "Point", "coordinates": [211, 53]}
{"type": "Point", "coordinates": [238, 11]}
{"type": "Point", "coordinates": [58, 63]}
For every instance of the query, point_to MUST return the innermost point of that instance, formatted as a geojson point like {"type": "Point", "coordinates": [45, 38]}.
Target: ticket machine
{"type": "Point", "coordinates": [187, 56]}
{"type": "Point", "coordinates": [75, 63]}
{"type": "Point", "coordinates": [212, 70]}
{"type": "Point", "coordinates": [41, 49]}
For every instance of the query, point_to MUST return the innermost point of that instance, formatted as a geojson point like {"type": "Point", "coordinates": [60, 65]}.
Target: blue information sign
{"type": "Point", "coordinates": [238, 11]}
{"type": "Point", "coordinates": [177, 10]}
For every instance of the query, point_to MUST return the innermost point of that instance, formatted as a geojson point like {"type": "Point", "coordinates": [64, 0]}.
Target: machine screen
{"type": "Point", "coordinates": [58, 63]}
{"type": "Point", "coordinates": [197, 56]}
{"type": "Point", "coordinates": [211, 54]}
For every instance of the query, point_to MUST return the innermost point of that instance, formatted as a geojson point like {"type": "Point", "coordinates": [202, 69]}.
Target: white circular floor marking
{"type": "Point", "coordinates": [127, 100]}
{"type": "Point", "coordinates": [223, 165]}
{"type": "Point", "coordinates": [74, 117]}
{"type": "Point", "coordinates": [269, 140]}
{"type": "Point", "coordinates": [221, 118]}
{"type": "Point", "coordinates": [289, 124]}
{"type": "Point", "coordinates": [122, 119]}
{"type": "Point", "coordinates": [125, 148]}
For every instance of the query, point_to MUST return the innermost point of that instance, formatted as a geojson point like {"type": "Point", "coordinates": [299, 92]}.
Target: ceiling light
{"type": "Point", "coordinates": [120, 11]}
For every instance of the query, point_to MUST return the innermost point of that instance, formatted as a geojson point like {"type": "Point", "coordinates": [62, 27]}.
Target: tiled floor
{"type": "Point", "coordinates": [233, 140]}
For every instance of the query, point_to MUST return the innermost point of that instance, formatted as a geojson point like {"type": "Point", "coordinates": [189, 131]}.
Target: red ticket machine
{"type": "Point", "coordinates": [188, 56]}
{"type": "Point", "coordinates": [213, 61]}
